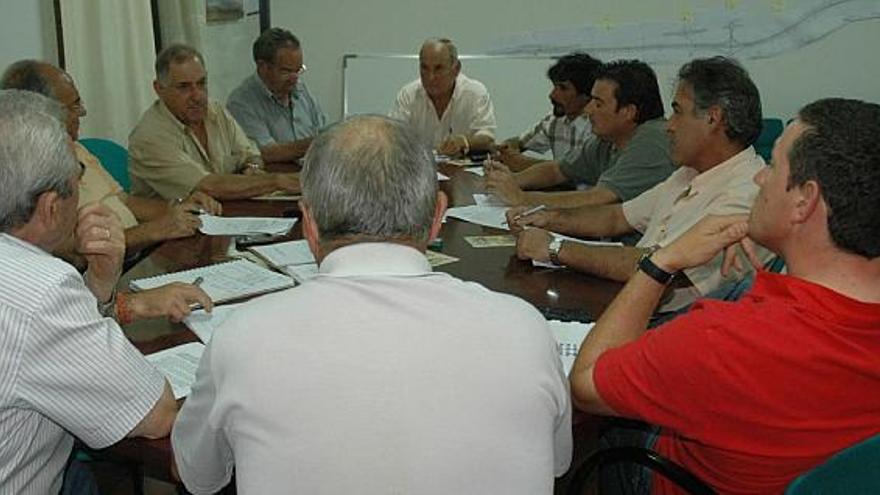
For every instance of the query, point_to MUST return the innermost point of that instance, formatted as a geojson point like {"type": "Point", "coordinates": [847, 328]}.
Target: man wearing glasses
{"type": "Point", "coordinates": [273, 106]}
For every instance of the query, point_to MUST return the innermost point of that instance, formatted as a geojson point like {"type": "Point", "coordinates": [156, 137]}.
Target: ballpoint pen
{"type": "Point", "coordinates": [198, 281]}
{"type": "Point", "coordinates": [530, 211]}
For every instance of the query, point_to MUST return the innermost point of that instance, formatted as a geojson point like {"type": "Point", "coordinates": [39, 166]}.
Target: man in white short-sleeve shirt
{"type": "Point", "coordinates": [65, 370]}
{"type": "Point", "coordinates": [415, 381]}
{"type": "Point", "coordinates": [449, 111]}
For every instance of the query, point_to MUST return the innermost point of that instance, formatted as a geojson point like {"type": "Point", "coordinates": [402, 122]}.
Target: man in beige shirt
{"type": "Point", "coordinates": [186, 143]}
{"type": "Point", "coordinates": [716, 117]}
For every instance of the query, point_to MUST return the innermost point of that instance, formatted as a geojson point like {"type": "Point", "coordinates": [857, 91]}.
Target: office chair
{"type": "Point", "coordinates": [113, 157]}
{"type": "Point", "coordinates": [770, 130]}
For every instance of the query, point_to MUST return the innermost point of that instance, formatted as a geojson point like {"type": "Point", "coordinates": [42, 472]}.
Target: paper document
{"type": "Point", "coordinates": [489, 216]}
{"type": "Point", "coordinates": [547, 264]}
{"type": "Point", "coordinates": [442, 177]}
{"type": "Point", "coordinates": [476, 170]}
{"type": "Point", "coordinates": [569, 335]}
{"type": "Point", "coordinates": [203, 323]}
{"type": "Point", "coordinates": [301, 273]}
{"type": "Point", "coordinates": [223, 281]}
{"type": "Point", "coordinates": [278, 196]}
{"type": "Point", "coordinates": [438, 259]}
{"type": "Point", "coordinates": [487, 241]}
{"type": "Point", "coordinates": [487, 200]}
{"type": "Point", "coordinates": [214, 225]}
{"type": "Point", "coordinates": [282, 254]}
{"type": "Point", "coordinates": [179, 365]}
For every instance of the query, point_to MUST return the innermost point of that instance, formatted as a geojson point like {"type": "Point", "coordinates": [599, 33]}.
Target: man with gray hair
{"type": "Point", "coordinates": [273, 106]}
{"type": "Point", "coordinates": [449, 111]}
{"type": "Point", "coordinates": [185, 143]}
{"type": "Point", "coordinates": [414, 381]}
{"type": "Point", "coordinates": [66, 370]}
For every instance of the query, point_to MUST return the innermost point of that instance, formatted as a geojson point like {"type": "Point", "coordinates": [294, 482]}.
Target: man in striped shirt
{"type": "Point", "coordinates": [65, 371]}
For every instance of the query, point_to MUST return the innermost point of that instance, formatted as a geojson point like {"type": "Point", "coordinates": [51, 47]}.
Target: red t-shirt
{"type": "Point", "coordinates": [751, 394]}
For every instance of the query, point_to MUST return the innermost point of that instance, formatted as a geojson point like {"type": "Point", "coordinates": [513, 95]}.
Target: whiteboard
{"type": "Point", "coordinates": [518, 85]}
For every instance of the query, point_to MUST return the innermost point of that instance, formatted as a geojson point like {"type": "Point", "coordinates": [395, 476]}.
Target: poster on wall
{"type": "Point", "coordinates": [224, 10]}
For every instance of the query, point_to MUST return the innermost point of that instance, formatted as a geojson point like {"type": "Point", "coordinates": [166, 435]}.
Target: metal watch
{"type": "Point", "coordinates": [553, 250]}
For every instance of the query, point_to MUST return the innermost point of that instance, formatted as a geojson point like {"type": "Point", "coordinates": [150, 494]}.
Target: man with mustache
{"type": "Point", "coordinates": [630, 156]}
{"type": "Point", "coordinates": [566, 127]}
{"type": "Point", "coordinates": [186, 143]}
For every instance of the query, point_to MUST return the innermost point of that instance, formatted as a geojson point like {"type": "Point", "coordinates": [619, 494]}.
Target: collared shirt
{"type": "Point", "coordinates": [98, 185]}
{"type": "Point", "coordinates": [167, 160]}
{"type": "Point", "coordinates": [65, 371]}
{"type": "Point", "coordinates": [672, 207]}
{"type": "Point", "coordinates": [753, 393]}
{"type": "Point", "coordinates": [381, 365]}
{"type": "Point", "coordinates": [266, 120]}
{"type": "Point", "coordinates": [470, 111]}
{"type": "Point", "coordinates": [642, 163]}
{"type": "Point", "coordinates": [557, 134]}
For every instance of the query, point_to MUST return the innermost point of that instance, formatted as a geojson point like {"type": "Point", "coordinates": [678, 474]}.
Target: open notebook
{"type": "Point", "coordinates": [223, 281]}
{"type": "Point", "coordinates": [569, 336]}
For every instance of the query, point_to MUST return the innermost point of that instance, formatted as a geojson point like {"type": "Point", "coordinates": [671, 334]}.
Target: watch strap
{"type": "Point", "coordinates": [651, 269]}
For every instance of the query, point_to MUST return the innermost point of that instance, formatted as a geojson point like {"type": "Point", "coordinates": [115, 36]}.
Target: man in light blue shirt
{"type": "Point", "coordinates": [273, 106]}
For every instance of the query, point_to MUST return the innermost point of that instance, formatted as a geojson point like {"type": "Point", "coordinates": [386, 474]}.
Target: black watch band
{"type": "Point", "coordinates": [650, 269]}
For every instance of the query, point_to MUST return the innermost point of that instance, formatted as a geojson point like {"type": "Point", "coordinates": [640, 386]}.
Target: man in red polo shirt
{"type": "Point", "coordinates": [749, 395]}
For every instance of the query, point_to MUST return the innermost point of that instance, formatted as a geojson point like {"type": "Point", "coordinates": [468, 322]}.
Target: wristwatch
{"type": "Point", "coordinates": [553, 250]}
{"type": "Point", "coordinates": [651, 269]}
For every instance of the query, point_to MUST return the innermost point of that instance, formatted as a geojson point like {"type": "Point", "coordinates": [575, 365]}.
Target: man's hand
{"type": "Point", "coordinates": [705, 240]}
{"type": "Point", "coordinates": [534, 244]}
{"type": "Point", "coordinates": [516, 221]}
{"type": "Point", "coordinates": [99, 238]}
{"type": "Point", "coordinates": [201, 201]}
{"type": "Point", "coordinates": [501, 182]}
{"type": "Point", "coordinates": [172, 301]}
{"type": "Point", "coordinates": [180, 221]}
{"type": "Point", "coordinates": [455, 145]}
{"type": "Point", "coordinates": [288, 183]}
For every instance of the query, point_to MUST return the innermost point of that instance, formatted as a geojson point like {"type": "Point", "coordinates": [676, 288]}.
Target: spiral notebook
{"type": "Point", "coordinates": [223, 281]}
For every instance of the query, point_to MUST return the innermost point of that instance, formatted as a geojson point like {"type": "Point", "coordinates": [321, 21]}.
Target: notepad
{"type": "Point", "coordinates": [203, 323]}
{"type": "Point", "coordinates": [179, 365]}
{"type": "Point", "coordinates": [487, 200]}
{"type": "Point", "coordinates": [214, 225]}
{"type": "Point", "coordinates": [223, 281]}
{"type": "Point", "coordinates": [282, 254]}
{"type": "Point", "coordinates": [489, 216]}
{"type": "Point", "coordinates": [569, 335]}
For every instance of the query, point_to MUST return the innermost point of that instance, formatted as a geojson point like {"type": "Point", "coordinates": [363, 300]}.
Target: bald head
{"type": "Point", "coordinates": [47, 80]}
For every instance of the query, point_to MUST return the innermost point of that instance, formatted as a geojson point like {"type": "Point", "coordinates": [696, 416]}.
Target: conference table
{"type": "Point", "coordinates": [554, 291]}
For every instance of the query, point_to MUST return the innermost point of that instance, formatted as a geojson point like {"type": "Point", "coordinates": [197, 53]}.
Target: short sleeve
{"type": "Point", "coordinates": [401, 110]}
{"type": "Point", "coordinates": [538, 137]}
{"type": "Point", "coordinates": [584, 164]}
{"type": "Point", "coordinates": [483, 118]}
{"type": "Point", "coordinates": [639, 210]}
{"type": "Point", "coordinates": [638, 167]}
{"type": "Point", "coordinates": [81, 371]}
{"type": "Point", "coordinates": [160, 162]}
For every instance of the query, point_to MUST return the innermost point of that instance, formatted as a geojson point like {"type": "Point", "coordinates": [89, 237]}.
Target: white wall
{"type": "Point", "coordinates": [27, 30]}
{"type": "Point", "coordinates": [842, 63]}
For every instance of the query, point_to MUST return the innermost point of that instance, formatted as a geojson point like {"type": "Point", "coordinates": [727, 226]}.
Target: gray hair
{"type": "Point", "coordinates": [175, 54]}
{"type": "Point", "coordinates": [370, 178]}
{"type": "Point", "coordinates": [35, 155]}
{"type": "Point", "coordinates": [28, 75]}
{"type": "Point", "coordinates": [445, 43]}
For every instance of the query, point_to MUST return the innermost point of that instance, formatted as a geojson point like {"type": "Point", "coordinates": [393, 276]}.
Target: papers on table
{"type": "Point", "coordinates": [301, 273]}
{"type": "Point", "coordinates": [476, 170]}
{"type": "Point", "coordinates": [214, 225]}
{"type": "Point", "coordinates": [569, 335]}
{"type": "Point", "coordinates": [179, 365]}
{"type": "Point", "coordinates": [223, 281]}
{"type": "Point", "coordinates": [278, 196]}
{"type": "Point", "coordinates": [547, 264]}
{"type": "Point", "coordinates": [441, 177]}
{"type": "Point", "coordinates": [487, 200]}
{"type": "Point", "coordinates": [487, 241]}
{"type": "Point", "coordinates": [436, 259]}
{"type": "Point", "coordinates": [203, 323]}
{"type": "Point", "coordinates": [282, 254]}
{"type": "Point", "coordinates": [489, 216]}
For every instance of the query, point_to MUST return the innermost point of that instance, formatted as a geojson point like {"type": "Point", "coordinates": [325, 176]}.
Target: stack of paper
{"type": "Point", "coordinates": [223, 281]}
{"type": "Point", "coordinates": [569, 335]}
{"type": "Point", "coordinates": [214, 225]}
{"type": "Point", "coordinates": [179, 365]}
{"type": "Point", "coordinates": [489, 216]}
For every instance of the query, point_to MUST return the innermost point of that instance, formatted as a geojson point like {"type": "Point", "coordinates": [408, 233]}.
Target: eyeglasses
{"type": "Point", "coordinates": [299, 72]}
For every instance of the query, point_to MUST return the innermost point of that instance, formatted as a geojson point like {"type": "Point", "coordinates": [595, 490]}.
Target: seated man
{"type": "Point", "coordinates": [630, 156]}
{"type": "Point", "coordinates": [66, 371]}
{"type": "Point", "coordinates": [273, 107]}
{"type": "Point", "coordinates": [146, 220]}
{"type": "Point", "coordinates": [716, 116]}
{"type": "Point", "coordinates": [449, 111]}
{"type": "Point", "coordinates": [751, 394]}
{"type": "Point", "coordinates": [384, 384]}
{"type": "Point", "coordinates": [185, 143]}
{"type": "Point", "coordinates": [566, 127]}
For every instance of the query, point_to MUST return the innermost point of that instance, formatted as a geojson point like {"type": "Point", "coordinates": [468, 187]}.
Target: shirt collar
{"type": "Point", "coordinates": [724, 171]}
{"type": "Point", "coordinates": [375, 258]}
{"type": "Point", "coordinates": [258, 81]}
{"type": "Point", "coordinates": [21, 243]}
{"type": "Point", "coordinates": [210, 115]}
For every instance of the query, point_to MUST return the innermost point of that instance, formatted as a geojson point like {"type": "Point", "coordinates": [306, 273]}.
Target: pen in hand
{"type": "Point", "coordinates": [198, 281]}
{"type": "Point", "coordinates": [528, 212]}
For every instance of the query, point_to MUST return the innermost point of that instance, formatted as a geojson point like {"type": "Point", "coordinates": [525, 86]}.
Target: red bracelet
{"type": "Point", "coordinates": [123, 310]}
